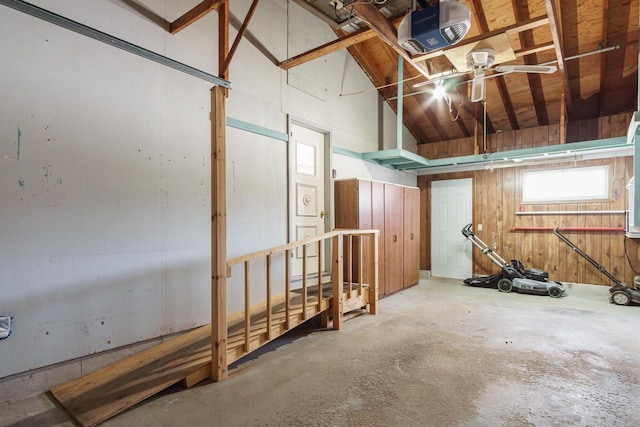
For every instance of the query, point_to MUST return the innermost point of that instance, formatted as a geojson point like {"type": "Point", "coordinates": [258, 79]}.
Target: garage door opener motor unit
{"type": "Point", "coordinates": [512, 276]}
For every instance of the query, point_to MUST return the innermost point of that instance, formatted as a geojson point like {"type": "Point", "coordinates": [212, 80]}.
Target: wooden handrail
{"type": "Point", "coordinates": [293, 245]}
{"type": "Point", "coordinates": [257, 333]}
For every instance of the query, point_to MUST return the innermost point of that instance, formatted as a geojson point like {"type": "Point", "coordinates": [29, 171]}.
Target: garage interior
{"type": "Point", "coordinates": [196, 193]}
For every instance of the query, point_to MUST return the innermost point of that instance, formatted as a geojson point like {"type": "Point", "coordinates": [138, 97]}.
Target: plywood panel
{"type": "Point", "coordinates": [377, 222]}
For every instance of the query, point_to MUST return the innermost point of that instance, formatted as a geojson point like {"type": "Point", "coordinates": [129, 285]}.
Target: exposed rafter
{"type": "Point", "coordinates": [603, 58]}
{"type": "Point", "coordinates": [500, 83]}
{"type": "Point", "coordinates": [327, 48]}
{"type": "Point", "coordinates": [556, 35]}
{"type": "Point", "coordinates": [521, 11]}
{"type": "Point", "coordinates": [385, 30]}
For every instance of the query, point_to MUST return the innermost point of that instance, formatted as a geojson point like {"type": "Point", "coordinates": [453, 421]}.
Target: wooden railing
{"type": "Point", "coordinates": [322, 290]}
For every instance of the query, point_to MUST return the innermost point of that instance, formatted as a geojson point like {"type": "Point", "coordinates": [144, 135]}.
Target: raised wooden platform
{"type": "Point", "coordinates": [101, 394]}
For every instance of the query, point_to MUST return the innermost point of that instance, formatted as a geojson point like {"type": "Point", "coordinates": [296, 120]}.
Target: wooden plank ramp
{"type": "Point", "coordinates": [104, 393]}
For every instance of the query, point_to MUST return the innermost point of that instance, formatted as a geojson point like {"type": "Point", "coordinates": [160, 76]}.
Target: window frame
{"type": "Point", "coordinates": [563, 199]}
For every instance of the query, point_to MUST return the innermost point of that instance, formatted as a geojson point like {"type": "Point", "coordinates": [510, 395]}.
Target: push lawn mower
{"type": "Point", "coordinates": [512, 276]}
{"type": "Point", "coordinates": [619, 293]}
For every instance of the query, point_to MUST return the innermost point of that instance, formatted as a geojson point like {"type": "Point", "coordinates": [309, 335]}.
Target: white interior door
{"type": "Point", "coordinates": [307, 197]}
{"type": "Point", "coordinates": [451, 210]}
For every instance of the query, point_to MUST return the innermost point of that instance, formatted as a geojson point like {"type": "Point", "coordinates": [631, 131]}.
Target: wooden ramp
{"type": "Point", "coordinates": [99, 395]}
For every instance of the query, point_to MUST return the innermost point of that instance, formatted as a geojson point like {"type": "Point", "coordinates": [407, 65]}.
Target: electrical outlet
{"type": "Point", "coordinates": [479, 227]}
{"type": "Point", "coordinates": [336, 4]}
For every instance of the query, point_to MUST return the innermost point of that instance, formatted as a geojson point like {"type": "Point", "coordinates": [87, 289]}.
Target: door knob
{"type": "Point", "coordinates": [323, 214]}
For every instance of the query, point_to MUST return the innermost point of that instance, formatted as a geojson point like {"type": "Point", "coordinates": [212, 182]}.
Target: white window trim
{"type": "Point", "coordinates": [563, 185]}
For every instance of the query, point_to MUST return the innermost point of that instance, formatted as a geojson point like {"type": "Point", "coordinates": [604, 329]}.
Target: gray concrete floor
{"type": "Point", "coordinates": [438, 354]}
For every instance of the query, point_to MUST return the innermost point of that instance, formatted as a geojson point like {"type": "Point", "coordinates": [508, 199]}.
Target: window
{"type": "Point", "coordinates": [590, 183]}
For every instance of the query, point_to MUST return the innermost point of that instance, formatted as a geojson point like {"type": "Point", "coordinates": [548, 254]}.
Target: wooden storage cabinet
{"type": "Point", "coordinates": [393, 210]}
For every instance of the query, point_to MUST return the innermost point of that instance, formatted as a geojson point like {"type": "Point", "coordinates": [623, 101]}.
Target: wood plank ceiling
{"type": "Point", "coordinates": [538, 31]}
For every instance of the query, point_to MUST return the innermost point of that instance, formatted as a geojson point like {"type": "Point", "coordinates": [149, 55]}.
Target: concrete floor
{"type": "Point", "coordinates": [438, 354]}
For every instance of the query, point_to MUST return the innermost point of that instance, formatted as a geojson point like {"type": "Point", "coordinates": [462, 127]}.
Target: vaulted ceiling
{"type": "Point", "coordinates": [593, 43]}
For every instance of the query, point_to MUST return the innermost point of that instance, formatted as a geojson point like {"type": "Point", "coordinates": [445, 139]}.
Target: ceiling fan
{"type": "Point", "coordinates": [480, 60]}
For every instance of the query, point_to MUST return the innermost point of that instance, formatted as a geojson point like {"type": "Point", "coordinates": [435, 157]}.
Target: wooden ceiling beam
{"type": "Point", "coordinates": [385, 30]}
{"type": "Point", "coordinates": [236, 42]}
{"type": "Point", "coordinates": [556, 36]}
{"type": "Point", "coordinates": [500, 83]}
{"type": "Point", "coordinates": [511, 29]}
{"type": "Point", "coordinates": [533, 49]}
{"type": "Point", "coordinates": [343, 42]}
{"type": "Point", "coordinates": [603, 58]}
{"type": "Point", "coordinates": [521, 11]}
{"type": "Point", "coordinates": [194, 14]}
{"type": "Point", "coordinates": [327, 48]}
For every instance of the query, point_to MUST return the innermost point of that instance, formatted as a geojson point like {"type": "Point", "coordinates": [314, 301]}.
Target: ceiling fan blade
{"type": "Point", "coordinates": [478, 88]}
{"type": "Point", "coordinates": [540, 69]}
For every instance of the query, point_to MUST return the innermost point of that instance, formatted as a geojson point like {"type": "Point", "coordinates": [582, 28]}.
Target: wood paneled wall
{"type": "Point", "coordinates": [583, 130]}
{"type": "Point", "coordinates": [497, 196]}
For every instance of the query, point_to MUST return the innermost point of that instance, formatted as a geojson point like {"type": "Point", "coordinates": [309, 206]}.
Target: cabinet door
{"type": "Point", "coordinates": [377, 223]}
{"type": "Point", "coordinates": [411, 226]}
{"type": "Point", "coordinates": [393, 237]}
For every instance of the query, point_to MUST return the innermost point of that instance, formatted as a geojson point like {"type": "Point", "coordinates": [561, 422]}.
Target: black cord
{"type": "Point", "coordinates": [626, 253]}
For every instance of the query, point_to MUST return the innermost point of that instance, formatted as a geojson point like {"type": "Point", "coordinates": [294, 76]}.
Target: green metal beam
{"type": "Point", "coordinates": [259, 130]}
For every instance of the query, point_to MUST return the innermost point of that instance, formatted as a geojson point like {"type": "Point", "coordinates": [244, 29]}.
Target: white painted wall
{"type": "Point", "coordinates": [105, 212]}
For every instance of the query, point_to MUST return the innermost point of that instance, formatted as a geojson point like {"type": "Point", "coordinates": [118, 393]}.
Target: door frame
{"type": "Point", "coordinates": [328, 180]}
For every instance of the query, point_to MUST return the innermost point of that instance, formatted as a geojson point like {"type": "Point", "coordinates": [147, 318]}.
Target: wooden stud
{"type": "Point", "coordinates": [247, 308]}
{"type": "Point", "coordinates": [219, 236]}
{"type": "Point", "coordinates": [373, 282]}
{"type": "Point", "coordinates": [320, 259]}
{"type": "Point", "coordinates": [223, 39]}
{"type": "Point", "coordinates": [304, 282]}
{"type": "Point", "coordinates": [236, 42]}
{"type": "Point", "coordinates": [287, 286]}
{"type": "Point", "coordinates": [194, 14]}
{"type": "Point", "coordinates": [269, 314]}
{"type": "Point", "coordinates": [338, 280]}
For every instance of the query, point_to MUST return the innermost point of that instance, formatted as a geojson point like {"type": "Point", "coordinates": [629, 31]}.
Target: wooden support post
{"type": "Point", "coordinates": [320, 259]}
{"type": "Point", "coordinates": [373, 284]}
{"type": "Point", "coordinates": [236, 42]}
{"type": "Point", "coordinates": [304, 282]}
{"type": "Point", "coordinates": [361, 240]}
{"type": "Point", "coordinates": [349, 264]}
{"type": "Point", "coordinates": [247, 308]}
{"type": "Point", "coordinates": [269, 320]}
{"type": "Point", "coordinates": [338, 279]}
{"type": "Point", "coordinates": [218, 236]}
{"type": "Point", "coordinates": [563, 119]}
{"type": "Point", "coordinates": [223, 40]}
{"type": "Point", "coordinates": [287, 287]}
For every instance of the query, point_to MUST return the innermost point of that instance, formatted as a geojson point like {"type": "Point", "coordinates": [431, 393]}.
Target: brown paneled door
{"type": "Point", "coordinates": [307, 172]}
{"type": "Point", "coordinates": [411, 247]}
{"type": "Point", "coordinates": [393, 237]}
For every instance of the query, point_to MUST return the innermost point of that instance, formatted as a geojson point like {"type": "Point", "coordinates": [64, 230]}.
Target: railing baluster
{"type": "Point", "coordinates": [287, 287]}
{"type": "Point", "coordinates": [269, 297]}
{"type": "Point", "coordinates": [247, 309]}
{"type": "Point", "coordinates": [319, 275]}
{"type": "Point", "coordinates": [349, 264]}
{"type": "Point", "coordinates": [304, 282]}
{"type": "Point", "coordinates": [338, 279]}
{"type": "Point", "coordinates": [373, 281]}
{"type": "Point", "coordinates": [360, 264]}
